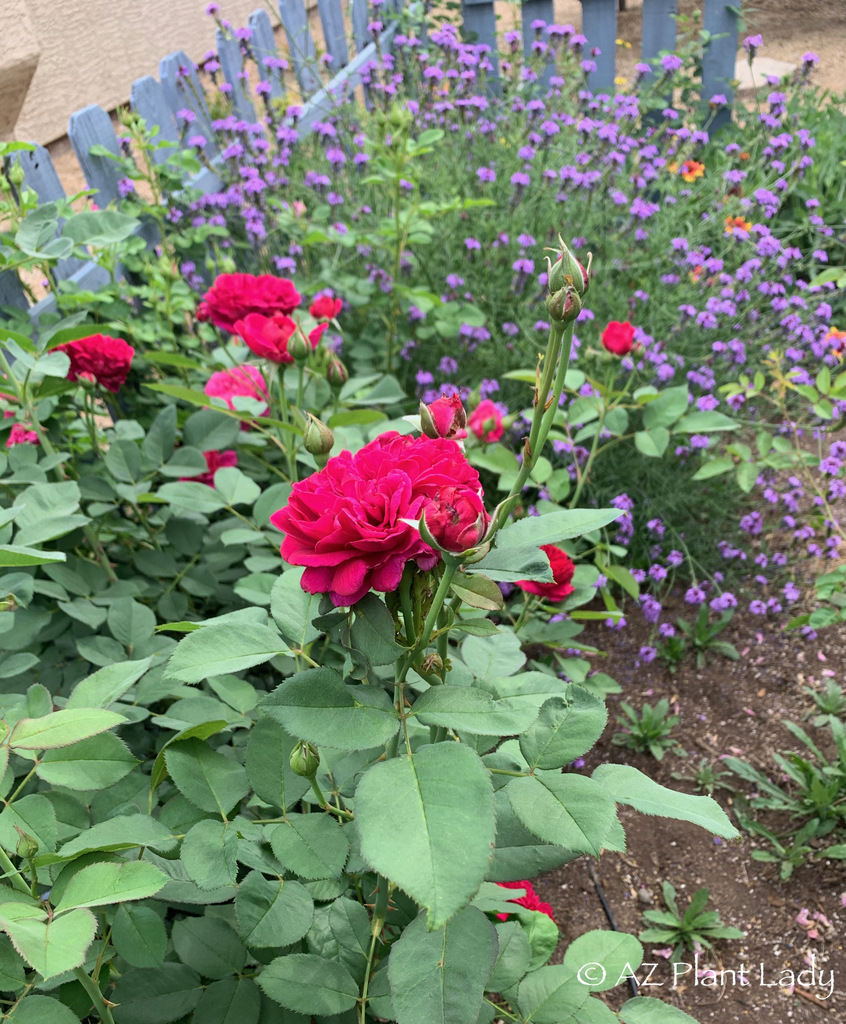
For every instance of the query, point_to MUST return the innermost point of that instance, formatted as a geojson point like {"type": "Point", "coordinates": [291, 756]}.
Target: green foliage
{"type": "Point", "coordinates": [648, 731]}
{"type": "Point", "coordinates": [683, 930]}
{"type": "Point", "coordinates": [702, 635]}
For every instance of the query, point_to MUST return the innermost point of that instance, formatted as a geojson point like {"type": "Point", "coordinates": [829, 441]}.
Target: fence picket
{"type": "Point", "coordinates": [300, 44]}
{"type": "Point", "coordinates": [11, 292]}
{"type": "Point", "coordinates": [40, 175]}
{"type": "Point", "coordinates": [147, 99]}
{"type": "Point", "coordinates": [599, 26]}
{"type": "Point", "coordinates": [480, 22]}
{"type": "Point", "coordinates": [182, 90]}
{"type": "Point", "coordinates": [232, 64]}
{"type": "Point", "coordinates": [360, 21]}
{"type": "Point", "coordinates": [720, 56]}
{"type": "Point", "coordinates": [659, 28]}
{"type": "Point", "coordinates": [264, 46]}
{"type": "Point", "coordinates": [89, 127]}
{"type": "Point", "coordinates": [334, 33]}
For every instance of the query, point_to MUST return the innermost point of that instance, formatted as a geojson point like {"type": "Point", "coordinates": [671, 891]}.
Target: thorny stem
{"type": "Point", "coordinates": [96, 995]}
{"type": "Point", "coordinates": [377, 923]}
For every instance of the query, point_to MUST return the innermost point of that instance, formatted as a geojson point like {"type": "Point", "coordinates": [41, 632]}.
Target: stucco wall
{"type": "Point", "coordinates": [90, 51]}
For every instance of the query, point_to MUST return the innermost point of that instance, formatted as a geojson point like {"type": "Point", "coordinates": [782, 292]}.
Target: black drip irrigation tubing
{"type": "Point", "coordinates": [608, 913]}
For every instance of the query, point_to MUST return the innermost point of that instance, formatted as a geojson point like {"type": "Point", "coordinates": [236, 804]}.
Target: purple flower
{"type": "Point", "coordinates": [670, 63]}
{"type": "Point", "coordinates": [694, 595]}
{"type": "Point", "coordinates": [647, 654]}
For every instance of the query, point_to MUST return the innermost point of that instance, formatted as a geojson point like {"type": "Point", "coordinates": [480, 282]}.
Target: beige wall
{"type": "Point", "coordinates": [90, 51]}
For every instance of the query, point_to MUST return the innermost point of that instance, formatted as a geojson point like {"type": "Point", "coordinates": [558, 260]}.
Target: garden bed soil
{"type": "Point", "coordinates": [725, 708]}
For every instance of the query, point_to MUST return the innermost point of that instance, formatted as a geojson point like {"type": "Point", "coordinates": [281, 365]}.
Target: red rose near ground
{"type": "Point", "coordinates": [99, 357]}
{"type": "Point", "coordinates": [215, 461]}
{"type": "Point", "coordinates": [618, 338]}
{"type": "Point", "coordinates": [531, 901]}
{"type": "Point", "coordinates": [234, 296]}
{"type": "Point", "coordinates": [562, 573]}
{"type": "Point", "coordinates": [346, 523]}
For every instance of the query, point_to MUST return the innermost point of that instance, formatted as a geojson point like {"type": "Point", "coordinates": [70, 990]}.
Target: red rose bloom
{"type": "Point", "coordinates": [562, 575]}
{"type": "Point", "coordinates": [457, 518]}
{"type": "Point", "coordinates": [316, 333]}
{"type": "Point", "coordinates": [531, 901]}
{"type": "Point", "coordinates": [267, 336]}
{"type": "Point", "coordinates": [99, 357]}
{"type": "Point", "coordinates": [325, 307]}
{"type": "Point", "coordinates": [20, 435]}
{"type": "Point", "coordinates": [243, 380]}
{"type": "Point", "coordinates": [445, 417]}
{"type": "Point", "coordinates": [486, 421]}
{"type": "Point", "coordinates": [346, 523]}
{"type": "Point", "coordinates": [215, 461]}
{"type": "Point", "coordinates": [234, 296]}
{"type": "Point", "coordinates": [618, 338]}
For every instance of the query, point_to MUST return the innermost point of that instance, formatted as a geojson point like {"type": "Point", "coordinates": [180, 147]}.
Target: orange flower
{"type": "Point", "coordinates": [837, 339]}
{"type": "Point", "coordinates": [744, 156]}
{"type": "Point", "coordinates": [691, 170]}
{"type": "Point", "coordinates": [739, 223]}
{"type": "Point", "coordinates": [696, 273]}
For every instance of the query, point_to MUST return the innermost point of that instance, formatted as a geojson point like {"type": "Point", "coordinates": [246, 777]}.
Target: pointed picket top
{"type": "Point", "coordinates": [263, 43]}
{"type": "Point", "coordinates": [360, 21]}
{"type": "Point", "coordinates": [300, 44]}
{"type": "Point", "coordinates": [11, 292]}
{"type": "Point", "coordinates": [184, 91]}
{"type": "Point", "coordinates": [659, 29]}
{"type": "Point", "coordinates": [89, 127]}
{"type": "Point", "coordinates": [232, 64]}
{"type": "Point", "coordinates": [147, 99]}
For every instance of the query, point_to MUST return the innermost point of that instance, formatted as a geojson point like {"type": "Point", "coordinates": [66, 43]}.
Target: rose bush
{"type": "Point", "coordinates": [233, 297]}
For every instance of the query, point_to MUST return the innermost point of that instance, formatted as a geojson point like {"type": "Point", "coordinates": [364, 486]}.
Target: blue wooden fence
{"type": "Point", "coordinates": [178, 87]}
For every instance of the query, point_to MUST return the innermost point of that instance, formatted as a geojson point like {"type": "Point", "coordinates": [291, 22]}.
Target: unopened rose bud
{"type": "Point", "coordinates": [445, 417]}
{"type": "Point", "coordinates": [298, 348]}
{"type": "Point", "coordinates": [564, 305]}
{"type": "Point", "coordinates": [318, 440]}
{"type": "Point", "coordinates": [337, 374]}
{"type": "Point", "coordinates": [456, 519]}
{"type": "Point", "coordinates": [27, 845]}
{"type": "Point", "coordinates": [567, 271]}
{"type": "Point", "coordinates": [16, 174]}
{"type": "Point", "coordinates": [304, 760]}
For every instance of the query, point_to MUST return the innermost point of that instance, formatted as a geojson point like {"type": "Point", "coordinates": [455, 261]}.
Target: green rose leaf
{"type": "Point", "coordinates": [309, 984]}
{"type": "Point", "coordinates": [311, 845]}
{"type": "Point", "coordinates": [554, 527]}
{"type": "Point", "coordinates": [98, 885]}
{"type": "Point", "coordinates": [566, 728]}
{"type": "Point", "coordinates": [272, 912]}
{"type": "Point", "coordinates": [626, 785]}
{"type": "Point", "coordinates": [139, 936]}
{"type": "Point", "coordinates": [645, 1010]}
{"type": "Point", "coordinates": [466, 709]}
{"type": "Point", "coordinates": [62, 728]}
{"type": "Point", "coordinates": [210, 780]}
{"type": "Point", "coordinates": [619, 953]}
{"type": "Point", "coordinates": [222, 648]}
{"type": "Point", "coordinates": [52, 946]}
{"type": "Point", "coordinates": [439, 977]}
{"type": "Point", "coordinates": [412, 814]}
{"type": "Point", "coordinates": [317, 706]}
{"type": "Point", "coordinates": [567, 810]}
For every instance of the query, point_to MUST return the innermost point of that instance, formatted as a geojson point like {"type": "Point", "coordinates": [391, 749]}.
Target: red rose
{"type": "Point", "coordinates": [618, 338]}
{"type": "Point", "coordinates": [486, 421]}
{"type": "Point", "coordinates": [325, 307]}
{"type": "Point", "coordinates": [531, 901]}
{"type": "Point", "coordinates": [346, 523]}
{"type": "Point", "coordinates": [445, 417]}
{"type": "Point", "coordinates": [562, 575]}
{"type": "Point", "coordinates": [234, 296]}
{"type": "Point", "coordinates": [243, 380]}
{"type": "Point", "coordinates": [457, 519]}
{"type": "Point", "coordinates": [267, 336]}
{"type": "Point", "coordinates": [99, 357]}
{"type": "Point", "coordinates": [215, 461]}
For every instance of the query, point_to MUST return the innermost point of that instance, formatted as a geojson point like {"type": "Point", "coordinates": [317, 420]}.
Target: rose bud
{"type": "Point", "coordinates": [456, 519]}
{"type": "Point", "coordinates": [298, 348]}
{"type": "Point", "coordinates": [325, 307]}
{"type": "Point", "coordinates": [304, 760]}
{"type": "Point", "coordinates": [445, 417]}
{"type": "Point", "coordinates": [486, 422]}
{"type": "Point", "coordinates": [567, 271]}
{"type": "Point", "coordinates": [318, 440]}
{"type": "Point", "coordinates": [618, 338]}
{"type": "Point", "coordinates": [337, 374]}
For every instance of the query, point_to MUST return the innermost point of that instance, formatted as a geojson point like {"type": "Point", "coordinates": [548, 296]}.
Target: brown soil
{"type": "Point", "coordinates": [725, 708]}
